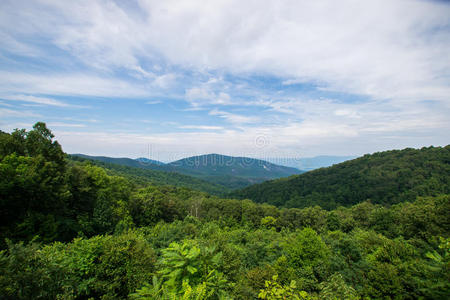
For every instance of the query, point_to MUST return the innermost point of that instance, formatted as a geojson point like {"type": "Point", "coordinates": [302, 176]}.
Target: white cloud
{"type": "Point", "coordinates": [165, 81]}
{"type": "Point", "coordinates": [38, 100]}
{"type": "Point", "coordinates": [67, 84]}
{"type": "Point", "coordinates": [235, 119]}
{"type": "Point", "coordinates": [308, 138]}
{"type": "Point", "coordinates": [153, 102]}
{"type": "Point", "coordinates": [394, 54]}
{"type": "Point", "coordinates": [199, 96]}
{"type": "Point", "coordinates": [4, 112]}
{"type": "Point", "coordinates": [62, 124]}
{"type": "Point", "coordinates": [201, 127]}
{"type": "Point", "coordinates": [383, 49]}
{"type": "Point", "coordinates": [5, 104]}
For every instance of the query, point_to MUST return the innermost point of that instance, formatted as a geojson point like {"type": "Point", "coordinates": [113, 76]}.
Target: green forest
{"type": "Point", "coordinates": [142, 176]}
{"type": "Point", "coordinates": [384, 178]}
{"type": "Point", "coordinates": [377, 227]}
{"type": "Point", "coordinates": [223, 173]}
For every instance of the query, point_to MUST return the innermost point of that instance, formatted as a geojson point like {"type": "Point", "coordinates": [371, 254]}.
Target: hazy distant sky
{"type": "Point", "coordinates": [167, 79]}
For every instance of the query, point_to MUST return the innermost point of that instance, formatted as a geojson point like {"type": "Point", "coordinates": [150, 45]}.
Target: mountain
{"type": "Point", "coordinates": [227, 171]}
{"type": "Point", "coordinates": [149, 161]}
{"type": "Point", "coordinates": [216, 164]}
{"type": "Point", "coordinates": [233, 172]}
{"type": "Point", "coordinates": [142, 163]}
{"type": "Point", "coordinates": [385, 177]}
{"type": "Point", "coordinates": [142, 176]}
{"type": "Point", "coordinates": [309, 163]}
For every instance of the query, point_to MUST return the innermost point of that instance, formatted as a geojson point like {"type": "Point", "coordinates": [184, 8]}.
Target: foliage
{"type": "Point", "coordinates": [385, 178]}
{"type": "Point", "coordinates": [273, 290]}
{"type": "Point", "coordinates": [306, 249]}
{"type": "Point", "coordinates": [212, 173]}
{"type": "Point", "coordinates": [75, 230]}
{"type": "Point", "coordinates": [190, 265]}
{"type": "Point", "coordinates": [110, 267]}
{"type": "Point", "coordinates": [140, 174]}
{"type": "Point", "coordinates": [336, 288]}
{"type": "Point", "coordinates": [439, 266]}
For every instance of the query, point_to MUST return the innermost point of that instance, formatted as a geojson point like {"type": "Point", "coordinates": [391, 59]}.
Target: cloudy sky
{"type": "Point", "coordinates": [168, 79]}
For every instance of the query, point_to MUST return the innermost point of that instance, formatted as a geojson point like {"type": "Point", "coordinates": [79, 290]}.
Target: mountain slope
{"type": "Point", "coordinates": [227, 171]}
{"type": "Point", "coordinates": [142, 163]}
{"type": "Point", "coordinates": [216, 164]}
{"type": "Point", "coordinates": [385, 177]}
{"type": "Point", "coordinates": [142, 176]}
{"type": "Point", "coordinates": [149, 161]}
{"type": "Point", "coordinates": [232, 172]}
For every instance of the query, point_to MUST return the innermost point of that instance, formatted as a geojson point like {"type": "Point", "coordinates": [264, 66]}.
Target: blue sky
{"type": "Point", "coordinates": [169, 79]}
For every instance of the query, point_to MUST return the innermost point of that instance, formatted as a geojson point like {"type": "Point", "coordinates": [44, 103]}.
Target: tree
{"type": "Point", "coordinates": [187, 266]}
{"type": "Point", "coordinates": [273, 290]}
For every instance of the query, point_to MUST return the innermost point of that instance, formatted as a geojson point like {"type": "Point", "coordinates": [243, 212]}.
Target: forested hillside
{"type": "Point", "coordinates": [383, 178]}
{"type": "Point", "coordinates": [141, 163]}
{"type": "Point", "coordinates": [232, 172]}
{"type": "Point", "coordinates": [142, 176]}
{"type": "Point", "coordinates": [124, 161]}
{"type": "Point", "coordinates": [74, 230]}
{"type": "Point", "coordinates": [227, 171]}
{"type": "Point", "coordinates": [215, 164]}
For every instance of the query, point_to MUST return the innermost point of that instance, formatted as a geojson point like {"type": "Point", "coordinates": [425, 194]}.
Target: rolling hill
{"type": "Point", "coordinates": [143, 163]}
{"type": "Point", "coordinates": [233, 172]}
{"type": "Point", "coordinates": [142, 176]}
{"type": "Point", "coordinates": [227, 171]}
{"type": "Point", "coordinates": [385, 177]}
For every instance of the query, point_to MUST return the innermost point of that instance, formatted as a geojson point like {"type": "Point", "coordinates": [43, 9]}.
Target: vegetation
{"type": "Point", "coordinates": [72, 230]}
{"type": "Point", "coordinates": [142, 176]}
{"type": "Point", "coordinates": [142, 163]}
{"type": "Point", "coordinates": [244, 167]}
{"type": "Point", "coordinates": [225, 172]}
{"type": "Point", "coordinates": [385, 178]}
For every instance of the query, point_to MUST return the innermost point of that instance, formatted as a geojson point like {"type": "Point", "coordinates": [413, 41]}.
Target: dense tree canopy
{"type": "Point", "coordinates": [220, 171]}
{"type": "Point", "coordinates": [74, 230]}
{"type": "Point", "coordinates": [385, 178]}
{"type": "Point", "coordinates": [144, 177]}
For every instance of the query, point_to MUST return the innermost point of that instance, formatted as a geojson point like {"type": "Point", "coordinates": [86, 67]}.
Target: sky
{"type": "Point", "coordinates": [171, 79]}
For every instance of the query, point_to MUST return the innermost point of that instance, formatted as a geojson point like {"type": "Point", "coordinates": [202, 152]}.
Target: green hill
{"type": "Point", "coordinates": [227, 171]}
{"type": "Point", "coordinates": [232, 172]}
{"type": "Point", "coordinates": [216, 164]}
{"type": "Point", "coordinates": [142, 163]}
{"type": "Point", "coordinates": [142, 176]}
{"type": "Point", "coordinates": [384, 177]}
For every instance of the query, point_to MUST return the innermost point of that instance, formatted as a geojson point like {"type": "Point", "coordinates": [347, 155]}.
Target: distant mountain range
{"type": "Point", "coordinates": [385, 178]}
{"type": "Point", "coordinates": [227, 171]}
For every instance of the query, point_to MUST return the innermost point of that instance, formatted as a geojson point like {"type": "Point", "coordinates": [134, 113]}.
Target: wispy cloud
{"type": "Point", "coordinates": [61, 124]}
{"type": "Point", "coordinates": [234, 118]}
{"type": "Point", "coordinates": [153, 102]}
{"type": "Point", "coordinates": [308, 75]}
{"type": "Point", "coordinates": [38, 100]}
{"type": "Point", "coordinates": [199, 96]}
{"type": "Point", "coordinates": [5, 112]}
{"type": "Point", "coordinates": [201, 127]}
{"type": "Point", "coordinates": [405, 55]}
{"type": "Point", "coordinates": [69, 84]}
